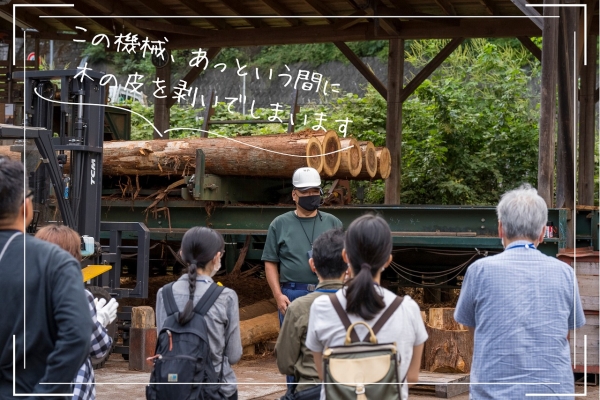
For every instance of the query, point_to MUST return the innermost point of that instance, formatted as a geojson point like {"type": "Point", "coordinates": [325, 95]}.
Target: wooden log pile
{"type": "Point", "coordinates": [268, 156]}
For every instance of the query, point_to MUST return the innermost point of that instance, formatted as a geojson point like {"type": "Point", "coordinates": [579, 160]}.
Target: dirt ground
{"type": "Point", "coordinates": [258, 378]}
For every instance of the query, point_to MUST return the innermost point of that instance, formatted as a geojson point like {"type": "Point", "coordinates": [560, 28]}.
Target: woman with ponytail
{"type": "Point", "coordinates": [368, 251]}
{"type": "Point", "coordinates": [201, 250]}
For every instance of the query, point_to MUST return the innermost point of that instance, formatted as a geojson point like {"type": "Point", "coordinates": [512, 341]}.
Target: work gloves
{"type": "Point", "coordinates": [106, 312]}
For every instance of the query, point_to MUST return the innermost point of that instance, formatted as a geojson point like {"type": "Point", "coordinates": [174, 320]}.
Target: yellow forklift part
{"type": "Point", "coordinates": [92, 271]}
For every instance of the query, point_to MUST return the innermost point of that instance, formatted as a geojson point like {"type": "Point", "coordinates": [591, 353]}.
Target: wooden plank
{"type": "Point", "coordinates": [429, 68]}
{"type": "Point", "coordinates": [444, 385]}
{"type": "Point", "coordinates": [530, 11]}
{"type": "Point", "coordinates": [280, 9]}
{"type": "Point", "coordinates": [590, 302]}
{"type": "Point", "coordinates": [200, 9]}
{"type": "Point", "coordinates": [532, 47]}
{"type": "Point", "coordinates": [362, 68]}
{"type": "Point", "coordinates": [446, 7]}
{"type": "Point", "coordinates": [394, 119]}
{"type": "Point", "coordinates": [239, 9]}
{"type": "Point", "coordinates": [548, 106]}
{"type": "Point", "coordinates": [587, 125]}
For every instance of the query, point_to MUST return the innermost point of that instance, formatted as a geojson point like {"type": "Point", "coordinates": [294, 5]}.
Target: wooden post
{"type": "Point", "coordinates": [142, 339]}
{"type": "Point", "coordinates": [393, 139]}
{"type": "Point", "coordinates": [565, 154]}
{"type": "Point", "coordinates": [548, 105]}
{"type": "Point", "coordinates": [587, 126]}
{"type": "Point", "coordinates": [161, 109]}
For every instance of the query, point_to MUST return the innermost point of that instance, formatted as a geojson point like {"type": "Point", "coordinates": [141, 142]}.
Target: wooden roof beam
{"type": "Point", "coordinates": [193, 73]}
{"type": "Point", "coordinates": [531, 12]}
{"type": "Point", "coordinates": [26, 19]}
{"type": "Point", "coordinates": [239, 9]}
{"type": "Point", "coordinates": [51, 12]}
{"type": "Point", "coordinates": [280, 9]}
{"type": "Point", "coordinates": [532, 47]}
{"type": "Point", "coordinates": [429, 68]}
{"type": "Point", "coordinates": [170, 28]}
{"type": "Point", "coordinates": [362, 68]}
{"type": "Point", "coordinates": [86, 10]}
{"type": "Point", "coordinates": [160, 9]}
{"type": "Point", "coordinates": [320, 9]}
{"type": "Point", "coordinates": [489, 7]}
{"type": "Point", "coordinates": [470, 28]}
{"type": "Point", "coordinates": [117, 8]}
{"type": "Point", "coordinates": [200, 9]}
{"type": "Point", "coordinates": [446, 6]}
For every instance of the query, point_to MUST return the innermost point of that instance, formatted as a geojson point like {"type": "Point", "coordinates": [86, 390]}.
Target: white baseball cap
{"type": "Point", "coordinates": [306, 178]}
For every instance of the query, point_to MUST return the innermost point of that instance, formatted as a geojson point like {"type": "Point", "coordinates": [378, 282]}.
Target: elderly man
{"type": "Point", "coordinates": [293, 358]}
{"type": "Point", "coordinates": [44, 304]}
{"type": "Point", "coordinates": [521, 305]}
{"type": "Point", "coordinates": [290, 239]}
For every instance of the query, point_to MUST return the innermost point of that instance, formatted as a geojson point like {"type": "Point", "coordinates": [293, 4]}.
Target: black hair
{"type": "Point", "coordinates": [368, 247]}
{"type": "Point", "coordinates": [327, 254]}
{"type": "Point", "coordinates": [11, 188]}
{"type": "Point", "coordinates": [198, 247]}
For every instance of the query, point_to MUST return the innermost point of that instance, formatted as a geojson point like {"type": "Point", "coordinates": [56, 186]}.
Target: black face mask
{"type": "Point", "coordinates": [309, 203]}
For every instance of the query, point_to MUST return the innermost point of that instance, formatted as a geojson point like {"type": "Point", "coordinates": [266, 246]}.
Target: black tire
{"type": "Point", "coordinates": [101, 293]}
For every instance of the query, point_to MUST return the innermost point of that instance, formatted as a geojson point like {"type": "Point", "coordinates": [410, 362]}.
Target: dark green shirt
{"type": "Point", "coordinates": [293, 358]}
{"type": "Point", "coordinates": [288, 244]}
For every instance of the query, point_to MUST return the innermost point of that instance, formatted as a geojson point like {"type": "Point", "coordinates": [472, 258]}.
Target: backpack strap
{"type": "Point", "coordinates": [169, 299]}
{"type": "Point", "coordinates": [208, 299]}
{"type": "Point", "coordinates": [343, 316]}
{"type": "Point", "coordinates": [385, 316]}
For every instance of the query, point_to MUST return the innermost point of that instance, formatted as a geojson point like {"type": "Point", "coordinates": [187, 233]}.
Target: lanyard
{"type": "Point", "coordinates": [326, 290]}
{"type": "Point", "coordinates": [303, 230]}
{"type": "Point", "coordinates": [527, 246]}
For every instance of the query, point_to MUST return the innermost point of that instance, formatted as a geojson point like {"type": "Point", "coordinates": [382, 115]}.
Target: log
{"type": "Point", "coordinates": [258, 309]}
{"type": "Point", "coordinates": [447, 351]}
{"type": "Point", "coordinates": [369, 161]}
{"type": "Point", "coordinates": [443, 318]}
{"type": "Point", "coordinates": [384, 163]}
{"type": "Point", "coordinates": [259, 329]}
{"type": "Point", "coordinates": [330, 142]}
{"type": "Point", "coordinates": [222, 156]}
{"type": "Point", "coordinates": [350, 160]}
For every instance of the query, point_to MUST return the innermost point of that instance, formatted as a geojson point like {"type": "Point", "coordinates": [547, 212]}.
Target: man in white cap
{"type": "Point", "coordinates": [290, 238]}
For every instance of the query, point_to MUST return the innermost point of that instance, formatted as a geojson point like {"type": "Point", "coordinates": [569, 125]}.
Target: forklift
{"type": "Point", "coordinates": [61, 140]}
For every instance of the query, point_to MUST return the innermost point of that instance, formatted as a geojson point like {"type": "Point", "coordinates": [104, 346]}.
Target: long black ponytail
{"type": "Point", "coordinates": [368, 244]}
{"type": "Point", "coordinates": [198, 246]}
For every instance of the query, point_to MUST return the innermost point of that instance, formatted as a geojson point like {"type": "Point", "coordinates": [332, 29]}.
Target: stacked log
{"type": "Point", "coordinates": [351, 159]}
{"type": "Point", "coordinates": [259, 329]}
{"type": "Point", "coordinates": [269, 156]}
{"type": "Point", "coordinates": [369, 161]}
{"type": "Point", "coordinates": [449, 348]}
{"type": "Point", "coordinates": [330, 142]}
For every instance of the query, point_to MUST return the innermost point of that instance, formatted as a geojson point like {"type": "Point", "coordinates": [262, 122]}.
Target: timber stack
{"type": "Point", "coordinates": [268, 156]}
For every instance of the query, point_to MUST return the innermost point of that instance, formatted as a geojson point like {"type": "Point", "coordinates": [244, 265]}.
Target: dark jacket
{"type": "Point", "coordinates": [53, 310]}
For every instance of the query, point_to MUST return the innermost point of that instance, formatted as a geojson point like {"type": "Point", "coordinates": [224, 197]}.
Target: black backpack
{"type": "Point", "coordinates": [183, 354]}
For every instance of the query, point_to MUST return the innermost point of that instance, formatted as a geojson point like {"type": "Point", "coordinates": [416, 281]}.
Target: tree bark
{"type": "Point", "coordinates": [259, 329]}
{"type": "Point", "coordinates": [222, 156]}
{"type": "Point", "coordinates": [443, 318]}
{"type": "Point", "coordinates": [448, 351]}
{"type": "Point", "coordinates": [258, 309]}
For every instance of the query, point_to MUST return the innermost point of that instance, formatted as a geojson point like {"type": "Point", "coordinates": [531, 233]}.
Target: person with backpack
{"type": "Point", "coordinates": [379, 314]}
{"type": "Point", "coordinates": [198, 327]}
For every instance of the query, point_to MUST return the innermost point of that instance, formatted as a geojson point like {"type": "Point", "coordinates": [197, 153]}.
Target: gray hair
{"type": "Point", "coordinates": [523, 213]}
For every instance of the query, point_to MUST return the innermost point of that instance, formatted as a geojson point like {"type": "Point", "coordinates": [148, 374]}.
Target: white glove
{"type": "Point", "coordinates": [106, 312]}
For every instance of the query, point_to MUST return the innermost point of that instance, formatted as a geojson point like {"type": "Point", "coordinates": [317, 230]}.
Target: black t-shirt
{"type": "Point", "coordinates": [52, 307]}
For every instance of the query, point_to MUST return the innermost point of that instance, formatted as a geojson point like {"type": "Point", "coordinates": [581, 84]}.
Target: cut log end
{"type": "Point", "coordinates": [351, 159]}
{"type": "Point", "coordinates": [331, 143]}
{"type": "Point", "coordinates": [314, 152]}
{"type": "Point", "coordinates": [384, 163]}
{"type": "Point", "coordinates": [369, 161]}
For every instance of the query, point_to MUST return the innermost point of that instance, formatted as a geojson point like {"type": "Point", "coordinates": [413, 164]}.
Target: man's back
{"type": "Point", "coordinates": [56, 317]}
{"type": "Point", "coordinates": [522, 305]}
